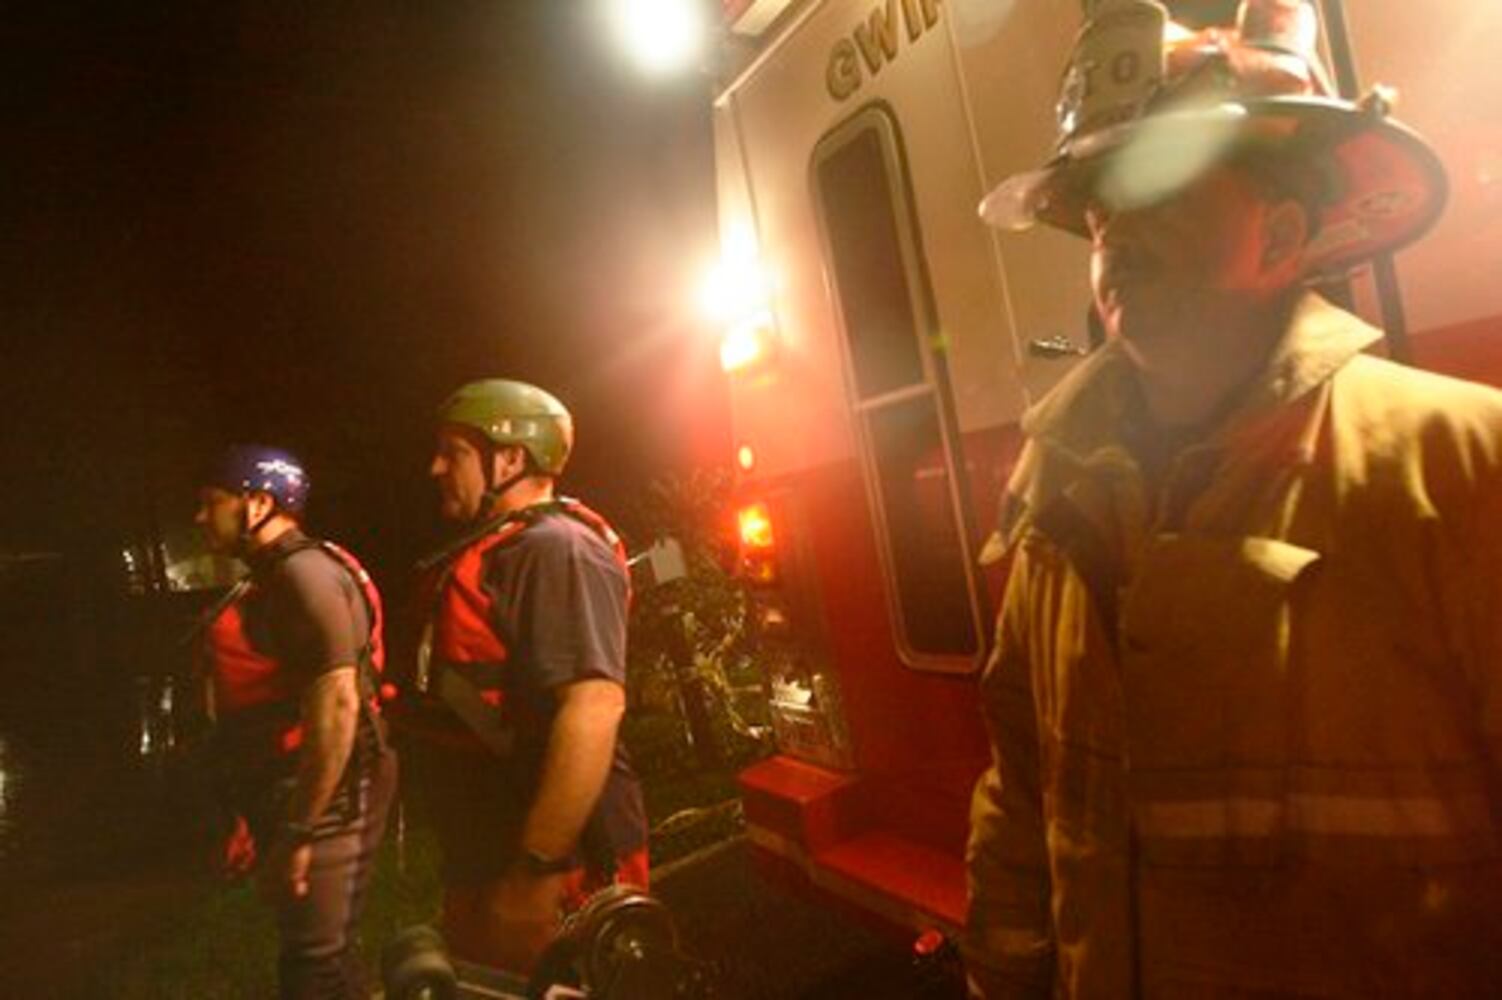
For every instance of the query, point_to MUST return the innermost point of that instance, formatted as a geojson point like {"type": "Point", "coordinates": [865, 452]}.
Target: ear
{"type": "Point", "coordinates": [1285, 235]}
{"type": "Point", "coordinates": [258, 505]}
{"type": "Point", "coordinates": [509, 460]}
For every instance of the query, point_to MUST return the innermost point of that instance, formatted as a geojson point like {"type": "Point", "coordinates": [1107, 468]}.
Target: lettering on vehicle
{"type": "Point", "coordinates": [875, 42]}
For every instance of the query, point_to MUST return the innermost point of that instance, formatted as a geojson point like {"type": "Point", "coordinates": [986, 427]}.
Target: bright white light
{"type": "Point", "coordinates": [662, 36]}
{"type": "Point", "coordinates": [734, 292]}
{"type": "Point", "coordinates": [737, 287]}
{"type": "Point", "coordinates": [744, 346]}
{"type": "Point", "coordinates": [737, 295]}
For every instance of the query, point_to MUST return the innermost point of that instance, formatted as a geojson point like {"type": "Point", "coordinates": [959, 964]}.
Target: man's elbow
{"type": "Point", "coordinates": [347, 706]}
{"type": "Point", "coordinates": [334, 699]}
{"type": "Point", "coordinates": [602, 702]}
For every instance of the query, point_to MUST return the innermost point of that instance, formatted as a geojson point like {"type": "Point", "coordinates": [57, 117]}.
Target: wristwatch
{"type": "Point", "coordinates": [539, 864]}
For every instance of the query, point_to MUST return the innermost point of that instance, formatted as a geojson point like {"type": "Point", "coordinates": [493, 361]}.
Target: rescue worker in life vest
{"type": "Point", "coordinates": [1245, 700]}
{"type": "Point", "coordinates": [520, 682]}
{"type": "Point", "coordinates": [291, 654]}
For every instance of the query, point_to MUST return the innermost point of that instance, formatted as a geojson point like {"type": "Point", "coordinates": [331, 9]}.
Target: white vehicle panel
{"type": "Point", "coordinates": [779, 112]}
{"type": "Point", "coordinates": [1014, 53]}
{"type": "Point", "coordinates": [1442, 57]}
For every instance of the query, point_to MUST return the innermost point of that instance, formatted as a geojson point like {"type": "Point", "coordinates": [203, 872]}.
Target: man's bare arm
{"type": "Point", "coordinates": [330, 712]}
{"type": "Point", "coordinates": [581, 746]}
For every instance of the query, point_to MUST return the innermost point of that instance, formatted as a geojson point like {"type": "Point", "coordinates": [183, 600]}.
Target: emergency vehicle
{"type": "Point", "coordinates": [881, 344]}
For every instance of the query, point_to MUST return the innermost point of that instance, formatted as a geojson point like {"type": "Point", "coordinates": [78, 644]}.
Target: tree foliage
{"type": "Point", "coordinates": [695, 645]}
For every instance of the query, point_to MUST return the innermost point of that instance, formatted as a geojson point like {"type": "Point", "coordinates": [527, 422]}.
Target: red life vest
{"type": "Point", "coordinates": [462, 636]}
{"type": "Point", "coordinates": [251, 690]}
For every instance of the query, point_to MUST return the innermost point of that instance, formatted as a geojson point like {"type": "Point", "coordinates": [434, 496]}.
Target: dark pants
{"type": "Point", "coordinates": [477, 804]}
{"type": "Point", "coordinates": [475, 807]}
{"type": "Point", "coordinates": [319, 960]}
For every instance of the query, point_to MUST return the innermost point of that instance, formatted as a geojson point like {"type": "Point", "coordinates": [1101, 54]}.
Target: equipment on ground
{"type": "Point", "coordinates": [621, 945]}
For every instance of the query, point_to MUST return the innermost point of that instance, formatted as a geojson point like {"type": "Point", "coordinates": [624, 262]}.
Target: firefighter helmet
{"type": "Point", "coordinates": [1146, 105]}
{"type": "Point", "coordinates": [249, 468]}
{"type": "Point", "coordinates": [506, 412]}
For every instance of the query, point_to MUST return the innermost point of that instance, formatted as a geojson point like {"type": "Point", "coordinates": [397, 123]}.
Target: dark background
{"type": "Point", "coordinates": [306, 223]}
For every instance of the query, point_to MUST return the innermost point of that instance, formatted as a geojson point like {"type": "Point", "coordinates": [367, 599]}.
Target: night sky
{"type": "Point", "coordinates": [305, 224]}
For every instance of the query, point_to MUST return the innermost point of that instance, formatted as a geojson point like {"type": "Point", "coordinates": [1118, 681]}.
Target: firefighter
{"type": "Point", "coordinates": [290, 660]}
{"type": "Point", "coordinates": [1245, 700]}
{"type": "Point", "coordinates": [520, 682]}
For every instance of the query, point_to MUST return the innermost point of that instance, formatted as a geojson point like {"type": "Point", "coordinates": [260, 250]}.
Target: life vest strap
{"type": "Point", "coordinates": [472, 690]}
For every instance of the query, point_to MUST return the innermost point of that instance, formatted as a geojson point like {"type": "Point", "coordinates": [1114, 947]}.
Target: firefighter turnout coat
{"type": "Point", "coordinates": [1246, 730]}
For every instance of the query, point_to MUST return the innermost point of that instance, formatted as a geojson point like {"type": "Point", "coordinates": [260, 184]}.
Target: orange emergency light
{"type": "Point", "coordinates": [758, 560]}
{"type": "Point", "coordinates": [756, 527]}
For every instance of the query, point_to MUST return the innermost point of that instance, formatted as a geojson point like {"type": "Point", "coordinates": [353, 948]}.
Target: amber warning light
{"type": "Point", "coordinates": [756, 527]}
{"type": "Point", "coordinates": [758, 560]}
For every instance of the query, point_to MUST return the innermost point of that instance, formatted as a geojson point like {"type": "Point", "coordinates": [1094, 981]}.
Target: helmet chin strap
{"type": "Point", "coordinates": [247, 530]}
{"type": "Point", "coordinates": [492, 496]}
{"type": "Point", "coordinates": [495, 491]}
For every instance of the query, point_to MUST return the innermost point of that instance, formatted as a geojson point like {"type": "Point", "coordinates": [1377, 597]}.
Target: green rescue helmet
{"type": "Point", "coordinates": [515, 413]}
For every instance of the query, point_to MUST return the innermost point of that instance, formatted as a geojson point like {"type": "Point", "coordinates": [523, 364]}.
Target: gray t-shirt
{"type": "Point", "coordinates": [311, 615]}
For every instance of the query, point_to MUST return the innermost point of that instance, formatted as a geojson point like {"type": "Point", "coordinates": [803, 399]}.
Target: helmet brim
{"type": "Point", "coordinates": [1386, 185]}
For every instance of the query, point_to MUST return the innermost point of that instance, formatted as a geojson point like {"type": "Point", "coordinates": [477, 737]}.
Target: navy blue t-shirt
{"type": "Point", "coordinates": [560, 607]}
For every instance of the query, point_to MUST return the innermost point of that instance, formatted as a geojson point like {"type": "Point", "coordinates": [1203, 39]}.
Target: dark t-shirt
{"type": "Point", "coordinates": [308, 614]}
{"type": "Point", "coordinates": [560, 605]}
{"type": "Point", "coordinates": [307, 611]}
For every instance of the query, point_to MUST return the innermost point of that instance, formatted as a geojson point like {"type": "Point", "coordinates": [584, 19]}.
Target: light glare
{"type": "Point", "coordinates": [737, 295]}
{"type": "Point", "coordinates": [756, 526]}
{"type": "Point", "coordinates": [661, 36]}
{"type": "Point", "coordinates": [743, 347]}
{"type": "Point", "coordinates": [1165, 154]}
{"type": "Point", "coordinates": [734, 290]}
